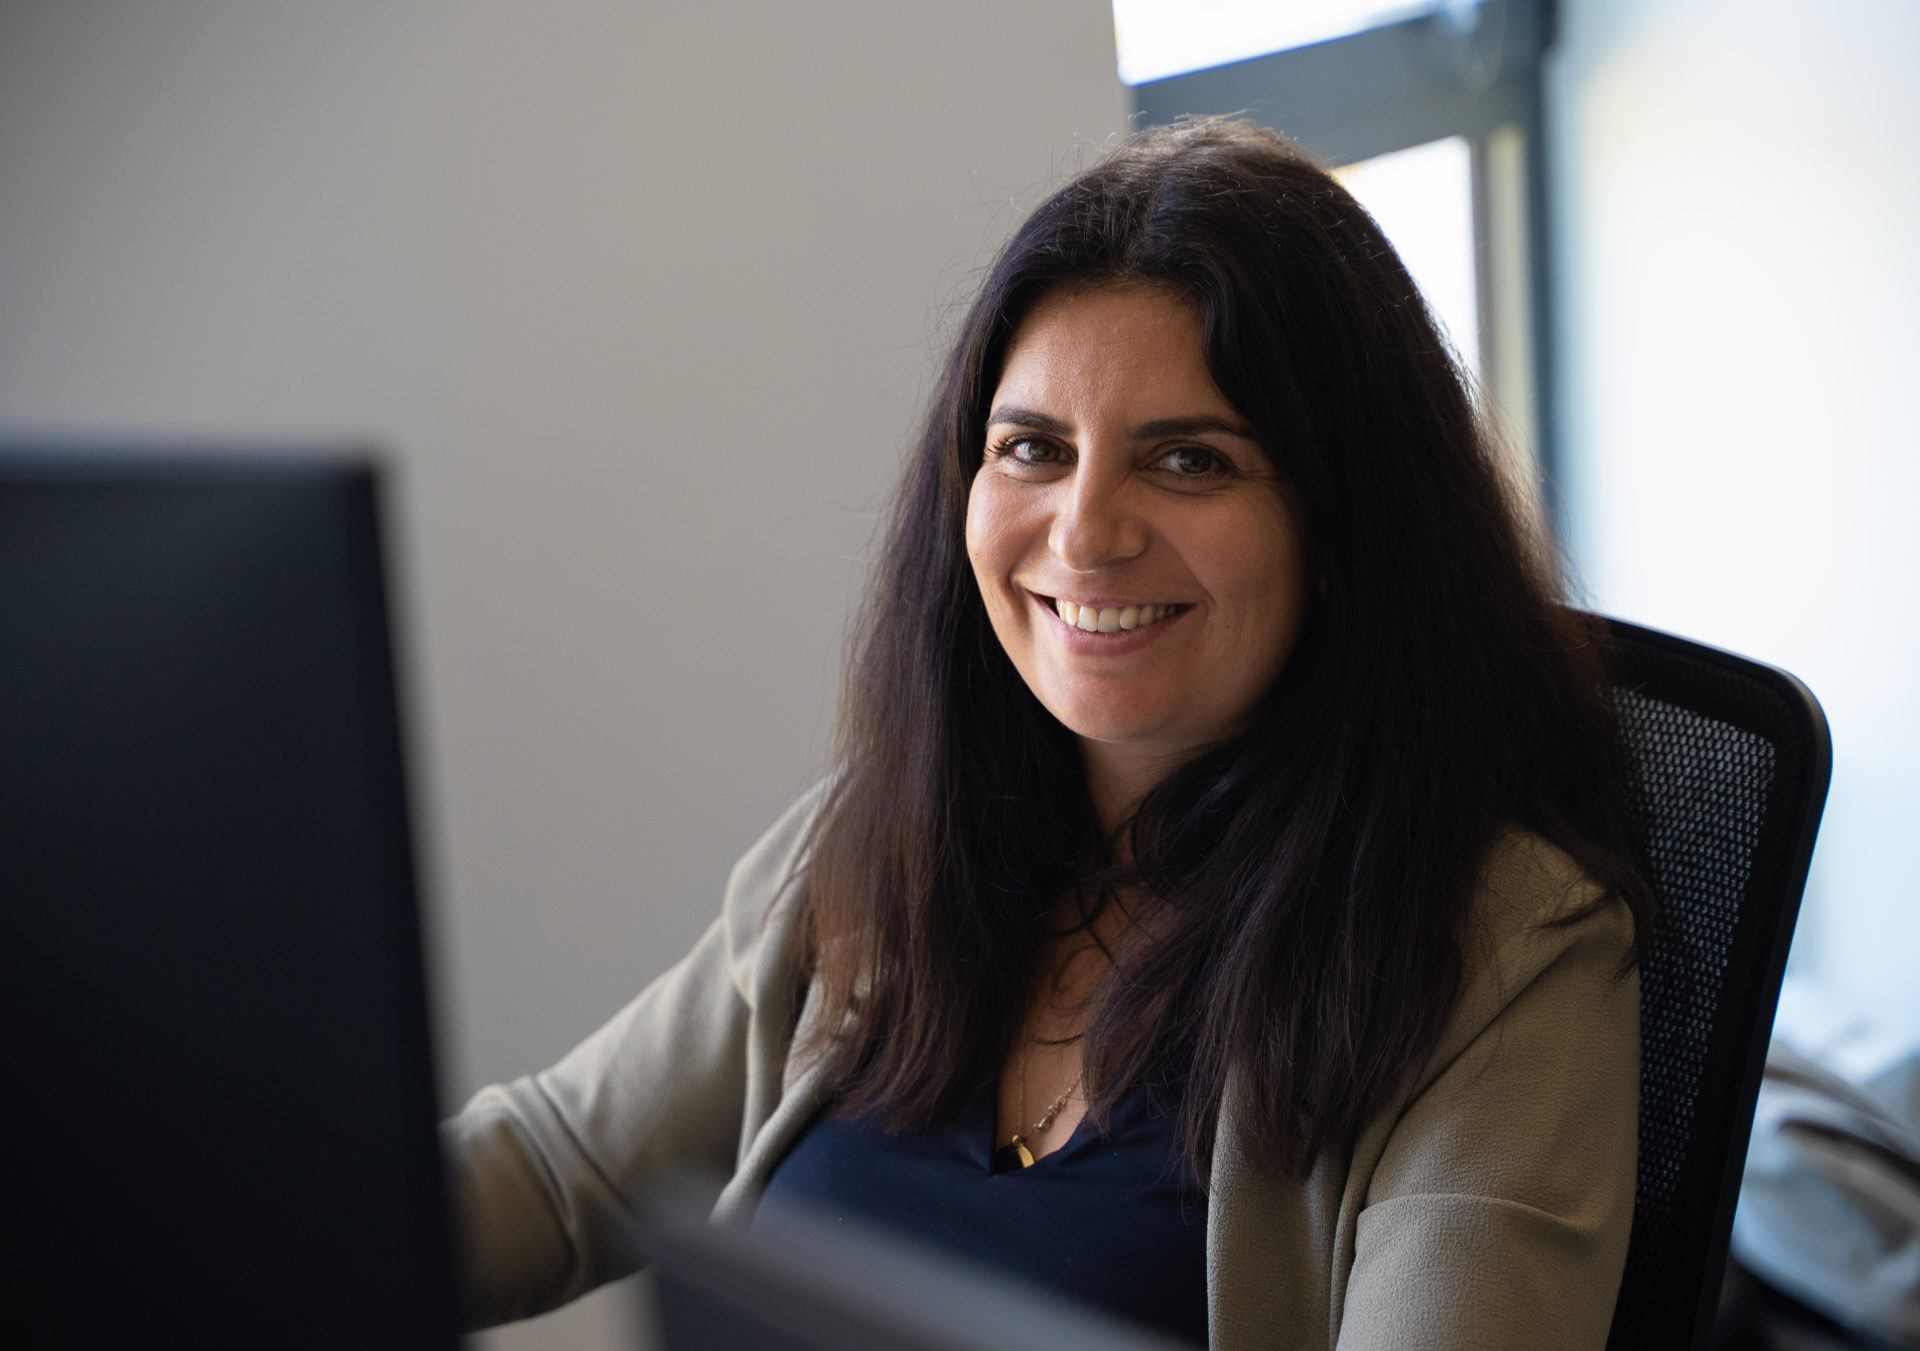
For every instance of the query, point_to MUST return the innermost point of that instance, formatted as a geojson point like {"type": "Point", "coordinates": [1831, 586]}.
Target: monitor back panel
{"type": "Point", "coordinates": [220, 1102]}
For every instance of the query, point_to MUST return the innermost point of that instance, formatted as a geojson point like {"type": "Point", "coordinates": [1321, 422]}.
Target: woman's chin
{"type": "Point", "coordinates": [1134, 733]}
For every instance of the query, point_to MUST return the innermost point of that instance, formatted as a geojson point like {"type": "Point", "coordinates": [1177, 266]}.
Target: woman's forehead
{"type": "Point", "coordinates": [1126, 354]}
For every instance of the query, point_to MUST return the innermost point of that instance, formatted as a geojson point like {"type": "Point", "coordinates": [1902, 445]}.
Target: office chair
{"type": "Point", "coordinates": [1731, 763]}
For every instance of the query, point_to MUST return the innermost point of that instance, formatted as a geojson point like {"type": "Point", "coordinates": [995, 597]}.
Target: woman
{"type": "Point", "coordinates": [1225, 804]}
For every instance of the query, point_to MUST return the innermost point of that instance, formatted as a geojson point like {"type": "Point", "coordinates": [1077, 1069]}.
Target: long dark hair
{"type": "Point", "coordinates": [1311, 879]}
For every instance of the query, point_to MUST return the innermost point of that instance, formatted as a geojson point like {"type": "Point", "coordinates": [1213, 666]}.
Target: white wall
{"type": "Point", "coordinates": [1739, 195]}
{"type": "Point", "coordinates": [642, 298]}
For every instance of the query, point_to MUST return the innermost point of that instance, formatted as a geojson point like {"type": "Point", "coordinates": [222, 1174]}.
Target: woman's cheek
{"type": "Point", "coordinates": [991, 531]}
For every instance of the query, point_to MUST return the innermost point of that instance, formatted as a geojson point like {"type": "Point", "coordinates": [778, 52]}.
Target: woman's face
{"type": "Point", "coordinates": [1140, 560]}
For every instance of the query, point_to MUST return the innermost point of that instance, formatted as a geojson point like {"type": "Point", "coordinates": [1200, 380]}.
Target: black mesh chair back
{"type": "Point", "coordinates": [1731, 765]}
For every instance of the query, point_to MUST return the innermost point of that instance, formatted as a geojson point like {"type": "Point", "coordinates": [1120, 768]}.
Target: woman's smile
{"type": "Point", "coordinates": [1113, 616]}
{"type": "Point", "coordinates": [1110, 630]}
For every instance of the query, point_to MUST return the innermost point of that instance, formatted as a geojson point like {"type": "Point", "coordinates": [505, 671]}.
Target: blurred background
{"type": "Point", "coordinates": [641, 301]}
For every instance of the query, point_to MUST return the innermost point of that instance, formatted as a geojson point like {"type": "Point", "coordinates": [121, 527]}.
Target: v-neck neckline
{"type": "Point", "coordinates": [988, 1106]}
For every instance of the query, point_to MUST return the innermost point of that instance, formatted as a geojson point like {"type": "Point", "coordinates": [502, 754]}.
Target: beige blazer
{"type": "Point", "coordinates": [1488, 1209]}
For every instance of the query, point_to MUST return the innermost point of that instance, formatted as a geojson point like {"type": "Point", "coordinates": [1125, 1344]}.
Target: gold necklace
{"type": "Point", "coordinates": [1015, 1152]}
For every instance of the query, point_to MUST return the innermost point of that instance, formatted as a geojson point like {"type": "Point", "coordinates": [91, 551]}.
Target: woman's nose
{"type": "Point", "coordinates": [1096, 525]}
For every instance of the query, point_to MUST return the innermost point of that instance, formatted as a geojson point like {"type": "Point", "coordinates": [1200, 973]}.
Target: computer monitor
{"type": "Point", "coordinates": [219, 1105]}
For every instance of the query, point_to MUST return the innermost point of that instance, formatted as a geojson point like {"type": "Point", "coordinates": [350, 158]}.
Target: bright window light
{"type": "Point", "coordinates": [1423, 199]}
{"type": "Point", "coordinates": [1159, 38]}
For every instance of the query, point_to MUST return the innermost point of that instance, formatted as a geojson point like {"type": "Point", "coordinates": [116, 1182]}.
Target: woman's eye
{"type": "Point", "coordinates": [1194, 461]}
{"type": "Point", "coordinates": [1027, 450]}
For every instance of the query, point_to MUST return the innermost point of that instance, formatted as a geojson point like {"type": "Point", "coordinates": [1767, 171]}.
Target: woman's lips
{"type": "Point", "coordinates": [1121, 626]}
{"type": "Point", "coordinates": [1118, 618]}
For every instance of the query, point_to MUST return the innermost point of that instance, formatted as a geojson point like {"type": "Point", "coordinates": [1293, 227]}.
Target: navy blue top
{"type": "Point", "coordinates": [1112, 1219]}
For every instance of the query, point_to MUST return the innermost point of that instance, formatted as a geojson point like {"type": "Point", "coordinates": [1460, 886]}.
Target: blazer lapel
{"type": "Point", "coordinates": [805, 1086]}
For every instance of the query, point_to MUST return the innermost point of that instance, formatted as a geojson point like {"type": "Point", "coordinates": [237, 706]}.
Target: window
{"type": "Point", "coordinates": [1432, 110]}
{"type": "Point", "coordinates": [1159, 38]}
{"type": "Point", "coordinates": [1423, 198]}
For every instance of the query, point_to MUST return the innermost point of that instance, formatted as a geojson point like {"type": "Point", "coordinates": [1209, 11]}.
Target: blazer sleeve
{"type": "Point", "coordinates": [1498, 1212]}
{"type": "Point", "coordinates": [542, 1171]}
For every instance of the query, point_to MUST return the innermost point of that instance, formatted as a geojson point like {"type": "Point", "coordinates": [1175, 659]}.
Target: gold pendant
{"type": "Point", "coordinates": [1013, 1154]}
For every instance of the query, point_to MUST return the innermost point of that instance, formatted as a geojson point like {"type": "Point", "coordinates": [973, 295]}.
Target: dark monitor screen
{"type": "Point", "coordinates": [219, 1108]}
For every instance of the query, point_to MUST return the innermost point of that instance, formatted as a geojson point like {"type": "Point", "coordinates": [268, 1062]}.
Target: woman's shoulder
{"type": "Point", "coordinates": [1534, 899]}
{"type": "Point", "coordinates": [1543, 941]}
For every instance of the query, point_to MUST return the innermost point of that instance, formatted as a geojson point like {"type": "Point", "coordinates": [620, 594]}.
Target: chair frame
{"type": "Point", "coordinates": [1644, 662]}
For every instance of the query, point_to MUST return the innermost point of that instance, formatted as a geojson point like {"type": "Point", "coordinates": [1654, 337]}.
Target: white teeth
{"type": "Point", "coordinates": [1113, 619]}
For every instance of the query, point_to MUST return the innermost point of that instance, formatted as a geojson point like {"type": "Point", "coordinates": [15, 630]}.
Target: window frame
{"type": "Point", "coordinates": [1471, 69]}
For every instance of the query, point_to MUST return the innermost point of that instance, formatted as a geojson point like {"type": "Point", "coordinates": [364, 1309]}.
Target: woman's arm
{"type": "Point", "coordinates": [542, 1171]}
{"type": "Point", "coordinates": [540, 1168]}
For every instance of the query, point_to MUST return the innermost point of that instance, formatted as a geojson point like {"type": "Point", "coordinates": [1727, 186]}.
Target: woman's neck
{"type": "Point", "coordinates": [1120, 775]}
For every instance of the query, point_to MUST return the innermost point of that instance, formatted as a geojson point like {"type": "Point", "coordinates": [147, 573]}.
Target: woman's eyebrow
{"type": "Point", "coordinates": [1192, 426]}
{"type": "Point", "coordinates": [1028, 417]}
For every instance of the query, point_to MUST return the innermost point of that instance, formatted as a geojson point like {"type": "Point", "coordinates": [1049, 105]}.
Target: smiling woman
{"type": "Point", "coordinates": [1224, 905]}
